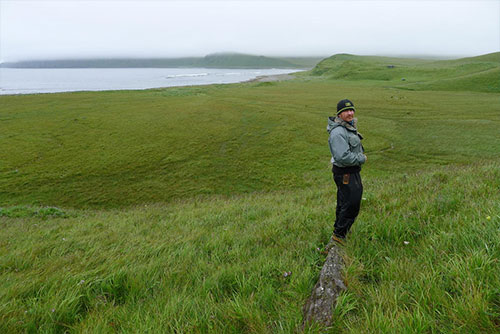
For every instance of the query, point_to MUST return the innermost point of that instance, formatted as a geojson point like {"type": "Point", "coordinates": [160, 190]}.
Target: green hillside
{"type": "Point", "coordinates": [179, 210]}
{"type": "Point", "coordinates": [490, 57]}
{"type": "Point", "coordinates": [234, 60]}
{"type": "Point", "coordinates": [467, 74]}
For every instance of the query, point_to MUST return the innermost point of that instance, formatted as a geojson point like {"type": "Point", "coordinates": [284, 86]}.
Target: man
{"type": "Point", "coordinates": [347, 158]}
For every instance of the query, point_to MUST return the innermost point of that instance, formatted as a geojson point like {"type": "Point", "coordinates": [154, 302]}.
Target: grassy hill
{"type": "Point", "coordinates": [180, 209]}
{"type": "Point", "coordinates": [217, 60]}
{"type": "Point", "coordinates": [480, 73]}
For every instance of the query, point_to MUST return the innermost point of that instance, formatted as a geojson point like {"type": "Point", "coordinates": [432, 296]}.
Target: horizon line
{"type": "Point", "coordinates": [104, 57]}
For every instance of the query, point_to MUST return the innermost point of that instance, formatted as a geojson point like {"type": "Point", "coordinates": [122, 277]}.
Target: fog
{"type": "Point", "coordinates": [85, 29]}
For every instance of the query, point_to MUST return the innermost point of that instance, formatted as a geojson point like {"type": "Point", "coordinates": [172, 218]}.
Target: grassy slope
{"type": "Point", "coordinates": [256, 155]}
{"type": "Point", "coordinates": [466, 74]}
{"type": "Point", "coordinates": [217, 265]}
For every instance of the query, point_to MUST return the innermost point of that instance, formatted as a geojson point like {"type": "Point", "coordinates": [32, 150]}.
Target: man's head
{"type": "Point", "coordinates": [345, 110]}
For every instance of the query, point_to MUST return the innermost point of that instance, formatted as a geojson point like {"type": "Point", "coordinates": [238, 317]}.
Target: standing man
{"type": "Point", "coordinates": [347, 158]}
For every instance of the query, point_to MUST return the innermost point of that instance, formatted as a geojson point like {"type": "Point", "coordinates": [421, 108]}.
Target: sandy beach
{"type": "Point", "coordinates": [272, 78]}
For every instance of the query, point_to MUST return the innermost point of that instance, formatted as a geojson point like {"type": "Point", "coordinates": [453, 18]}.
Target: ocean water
{"type": "Point", "coordinates": [29, 81]}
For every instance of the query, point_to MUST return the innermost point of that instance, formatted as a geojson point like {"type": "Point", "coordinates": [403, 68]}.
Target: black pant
{"type": "Point", "coordinates": [349, 192]}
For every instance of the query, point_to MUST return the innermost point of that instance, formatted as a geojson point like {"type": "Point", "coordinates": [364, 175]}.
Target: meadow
{"type": "Point", "coordinates": [179, 210]}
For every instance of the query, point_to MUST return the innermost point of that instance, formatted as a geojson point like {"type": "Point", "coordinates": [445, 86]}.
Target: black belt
{"type": "Point", "coordinates": [346, 170]}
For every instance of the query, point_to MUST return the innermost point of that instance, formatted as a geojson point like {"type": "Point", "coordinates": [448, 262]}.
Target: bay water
{"type": "Point", "coordinates": [31, 81]}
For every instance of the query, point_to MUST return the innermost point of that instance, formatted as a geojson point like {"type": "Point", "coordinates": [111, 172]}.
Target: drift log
{"type": "Point", "coordinates": [320, 305]}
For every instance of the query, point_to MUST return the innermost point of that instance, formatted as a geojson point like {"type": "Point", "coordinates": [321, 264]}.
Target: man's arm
{"type": "Point", "coordinates": [341, 151]}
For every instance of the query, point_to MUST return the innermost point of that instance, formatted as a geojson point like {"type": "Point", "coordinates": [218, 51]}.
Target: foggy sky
{"type": "Point", "coordinates": [113, 28]}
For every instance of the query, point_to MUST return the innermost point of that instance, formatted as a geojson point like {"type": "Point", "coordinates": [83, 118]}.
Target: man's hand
{"type": "Point", "coordinates": [366, 158]}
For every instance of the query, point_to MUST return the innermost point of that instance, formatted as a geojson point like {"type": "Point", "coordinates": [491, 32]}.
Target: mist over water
{"type": "Point", "coordinates": [29, 81]}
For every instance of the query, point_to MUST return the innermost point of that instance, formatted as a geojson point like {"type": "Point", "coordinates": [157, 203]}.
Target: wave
{"type": "Point", "coordinates": [228, 73]}
{"type": "Point", "coordinates": [172, 76]}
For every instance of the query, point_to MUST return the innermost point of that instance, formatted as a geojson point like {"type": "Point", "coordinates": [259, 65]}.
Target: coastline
{"type": "Point", "coordinates": [47, 81]}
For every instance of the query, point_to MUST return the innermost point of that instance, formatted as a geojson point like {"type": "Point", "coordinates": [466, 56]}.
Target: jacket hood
{"type": "Point", "coordinates": [334, 122]}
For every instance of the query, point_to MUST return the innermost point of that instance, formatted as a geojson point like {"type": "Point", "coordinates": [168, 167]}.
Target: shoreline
{"type": "Point", "coordinates": [273, 77]}
{"type": "Point", "coordinates": [258, 78]}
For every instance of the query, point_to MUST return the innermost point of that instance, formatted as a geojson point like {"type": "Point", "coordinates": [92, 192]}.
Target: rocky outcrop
{"type": "Point", "coordinates": [320, 305]}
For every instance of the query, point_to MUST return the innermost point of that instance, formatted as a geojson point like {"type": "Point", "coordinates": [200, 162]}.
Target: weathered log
{"type": "Point", "coordinates": [320, 305]}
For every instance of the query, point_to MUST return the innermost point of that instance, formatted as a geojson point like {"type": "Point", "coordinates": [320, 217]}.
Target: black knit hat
{"type": "Point", "coordinates": [345, 104]}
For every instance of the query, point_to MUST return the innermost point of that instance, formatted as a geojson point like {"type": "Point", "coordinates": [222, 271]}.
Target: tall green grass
{"type": "Point", "coordinates": [422, 257]}
{"type": "Point", "coordinates": [179, 210]}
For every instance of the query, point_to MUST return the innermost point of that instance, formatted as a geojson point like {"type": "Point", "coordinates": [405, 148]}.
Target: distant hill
{"type": "Point", "coordinates": [481, 73]}
{"type": "Point", "coordinates": [217, 60]}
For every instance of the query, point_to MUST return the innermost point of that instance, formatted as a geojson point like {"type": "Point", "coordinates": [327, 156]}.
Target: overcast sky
{"type": "Point", "coordinates": [114, 28]}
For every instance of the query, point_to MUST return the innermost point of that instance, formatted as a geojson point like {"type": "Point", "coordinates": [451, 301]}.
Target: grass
{"type": "Point", "coordinates": [218, 265]}
{"type": "Point", "coordinates": [466, 74]}
{"type": "Point", "coordinates": [116, 149]}
{"type": "Point", "coordinates": [180, 209]}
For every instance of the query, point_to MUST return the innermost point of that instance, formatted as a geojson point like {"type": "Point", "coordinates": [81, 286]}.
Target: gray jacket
{"type": "Point", "coordinates": [345, 143]}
